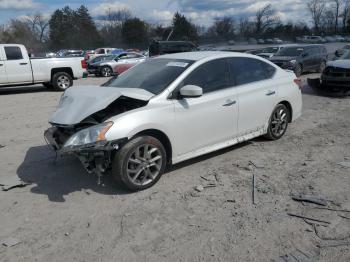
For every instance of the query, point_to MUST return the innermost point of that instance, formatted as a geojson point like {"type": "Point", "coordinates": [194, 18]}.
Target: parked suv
{"type": "Point", "coordinates": [169, 47]}
{"type": "Point", "coordinates": [302, 58]}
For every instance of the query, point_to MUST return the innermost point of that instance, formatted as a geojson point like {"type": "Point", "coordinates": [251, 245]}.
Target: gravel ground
{"type": "Point", "coordinates": [64, 216]}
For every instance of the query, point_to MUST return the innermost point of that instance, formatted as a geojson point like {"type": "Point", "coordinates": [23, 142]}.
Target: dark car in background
{"type": "Point", "coordinates": [335, 79]}
{"type": "Point", "coordinates": [342, 51]}
{"type": "Point", "coordinates": [169, 47]}
{"type": "Point", "coordinates": [302, 58]}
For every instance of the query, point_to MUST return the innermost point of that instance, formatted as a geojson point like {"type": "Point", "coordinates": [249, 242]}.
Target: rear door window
{"type": "Point", "coordinates": [245, 70]}
{"type": "Point", "coordinates": [13, 53]}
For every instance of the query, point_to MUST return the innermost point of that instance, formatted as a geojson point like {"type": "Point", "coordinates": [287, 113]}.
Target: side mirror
{"type": "Point", "coordinates": [191, 91]}
{"type": "Point", "coordinates": [305, 55]}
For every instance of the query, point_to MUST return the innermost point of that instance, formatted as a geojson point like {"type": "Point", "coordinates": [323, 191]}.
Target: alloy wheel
{"type": "Point", "coordinates": [106, 72]}
{"type": "Point", "coordinates": [63, 82]}
{"type": "Point", "coordinates": [279, 122]}
{"type": "Point", "coordinates": [144, 164]}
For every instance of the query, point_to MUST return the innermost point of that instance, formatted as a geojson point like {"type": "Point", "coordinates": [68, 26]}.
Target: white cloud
{"type": "Point", "coordinates": [18, 4]}
{"type": "Point", "coordinates": [162, 16]}
{"type": "Point", "coordinates": [108, 6]}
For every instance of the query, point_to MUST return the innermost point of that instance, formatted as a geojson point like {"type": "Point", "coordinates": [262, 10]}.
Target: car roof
{"type": "Point", "coordinates": [199, 55]}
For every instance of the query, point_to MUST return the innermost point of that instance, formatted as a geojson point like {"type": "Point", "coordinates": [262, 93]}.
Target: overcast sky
{"type": "Point", "coordinates": [161, 11]}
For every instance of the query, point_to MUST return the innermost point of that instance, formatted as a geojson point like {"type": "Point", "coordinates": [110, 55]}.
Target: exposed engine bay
{"type": "Point", "coordinates": [119, 106]}
{"type": "Point", "coordinates": [96, 157]}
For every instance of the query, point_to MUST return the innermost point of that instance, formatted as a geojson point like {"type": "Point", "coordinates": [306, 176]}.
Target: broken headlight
{"type": "Point", "coordinates": [89, 135]}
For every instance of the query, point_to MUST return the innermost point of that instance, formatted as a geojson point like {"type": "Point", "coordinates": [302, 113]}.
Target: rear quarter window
{"type": "Point", "coordinates": [249, 70]}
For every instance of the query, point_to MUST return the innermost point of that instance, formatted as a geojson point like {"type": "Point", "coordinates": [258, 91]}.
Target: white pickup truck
{"type": "Point", "coordinates": [17, 68]}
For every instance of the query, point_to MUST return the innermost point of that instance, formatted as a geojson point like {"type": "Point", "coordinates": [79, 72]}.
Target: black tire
{"type": "Point", "coordinates": [322, 67]}
{"type": "Point", "coordinates": [48, 85]}
{"type": "Point", "coordinates": [298, 70]}
{"type": "Point", "coordinates": [122, 163]}
{"type": "Point", "coordinates": [273, 132]}
{"type": "Point", "coordinates": [61, 81]}
{"type": "Point", "coordinates": [106, 71]}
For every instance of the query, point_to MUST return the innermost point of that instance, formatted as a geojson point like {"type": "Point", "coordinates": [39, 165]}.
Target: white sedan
{"type": "Point", "coordinates": [172, 108]}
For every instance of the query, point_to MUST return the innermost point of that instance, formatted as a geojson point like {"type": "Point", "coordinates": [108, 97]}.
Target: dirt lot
{"type": "Point", "coordinates": [64, 216]}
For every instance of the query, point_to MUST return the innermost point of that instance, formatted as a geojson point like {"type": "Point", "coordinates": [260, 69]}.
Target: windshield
{"type": "Point", "coordinates": [153, 75]}
{"type": "Point", "coordinates": [290, 51]}
{"type": "Point", "coordinates": [103, 58]}
{"type": "Point", "coordinates": [270, 50]}
{"type": "Point", "coordinates": [345, 56]}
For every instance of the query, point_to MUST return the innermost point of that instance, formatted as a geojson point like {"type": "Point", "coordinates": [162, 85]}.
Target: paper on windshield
{"type": "Point", "coordinates": [178, 64]}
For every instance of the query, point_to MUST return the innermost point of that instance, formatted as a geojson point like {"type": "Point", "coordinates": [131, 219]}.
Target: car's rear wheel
{"type": "Point", "coordinates": [140, 163]}
{"type": "Point", "coordinates": [106, 71]}
{"type": "Point", "coordinates": [61, 81]}
{"type": "Point", "coordinates": [278, 122]}
{"type": "Point", "coordinates": [298, 70]}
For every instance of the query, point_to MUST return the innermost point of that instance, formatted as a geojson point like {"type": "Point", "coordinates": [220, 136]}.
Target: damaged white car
{"type": "Point", "coordinates": [172, 108]}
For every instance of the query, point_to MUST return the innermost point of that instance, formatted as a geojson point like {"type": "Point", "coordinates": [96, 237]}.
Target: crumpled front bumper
{"type": "Point", "coordinates": [95, 157]}
{"type": "Point", "coordinates": [100, 146]}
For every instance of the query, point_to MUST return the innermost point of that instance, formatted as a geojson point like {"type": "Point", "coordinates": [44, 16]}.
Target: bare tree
{"type": "Point", "coordinates": [112, 25]}
{"type": "Point", "coordinates": [245, 27]}
{"type": "Point", "coordinates": [39, 25]}
{"type": "Point", "coordinates": [114, 18]}
{"type": "Point", "coordinates": [337, 4]}
{"type": "Point", "coordinates": [265, 17]}
{"type": "Point", "coordinates": [224, 27]}
{"type": "Point", "coordinates": [345, 15]}
{"type": "Point", "coordinates": [316, 8]}
{"type": "Point", "coordinates": [328, 21]}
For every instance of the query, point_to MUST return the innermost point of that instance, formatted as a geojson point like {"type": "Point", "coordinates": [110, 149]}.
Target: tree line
{"type": "Point", "coordinates": [70, 28]}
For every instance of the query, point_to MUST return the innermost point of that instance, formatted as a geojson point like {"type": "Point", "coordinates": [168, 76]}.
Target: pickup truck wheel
{"type": "Point", "coordinates": [140, 163]}
{"type": "Point", "coordinates": [61, 81]}
{"type": "Point", "coordinates": [106, 71]}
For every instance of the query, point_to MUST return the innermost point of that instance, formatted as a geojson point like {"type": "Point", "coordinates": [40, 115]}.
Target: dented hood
{"type": "Point", "coordinates": [77, 103]}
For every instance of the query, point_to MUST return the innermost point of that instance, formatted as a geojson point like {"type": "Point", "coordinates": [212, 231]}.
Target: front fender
{"type": "Point", "coordinates": [131, 123]}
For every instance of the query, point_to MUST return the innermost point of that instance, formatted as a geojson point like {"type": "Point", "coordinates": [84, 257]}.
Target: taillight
{"type": "Point", "coordinates": [83, 64]}
{"type": "Point", "coordinates": [298, 82]}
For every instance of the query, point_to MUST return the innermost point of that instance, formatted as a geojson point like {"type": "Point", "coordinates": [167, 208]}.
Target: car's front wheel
{"type": "Point", "coordinates": [140, 163]}
{"type": "Point", "coordinates": [278, 122]}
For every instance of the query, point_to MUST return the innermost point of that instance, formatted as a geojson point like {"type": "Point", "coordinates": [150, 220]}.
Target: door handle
{"type": "Point", "coordinates": [229, 103]}
{"type": "Point", "coordinates": [1, 64]}
{"type": "Point", "coordinates": [23, 63]}
{"type": "Point", "coordinates": [270, 93]}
